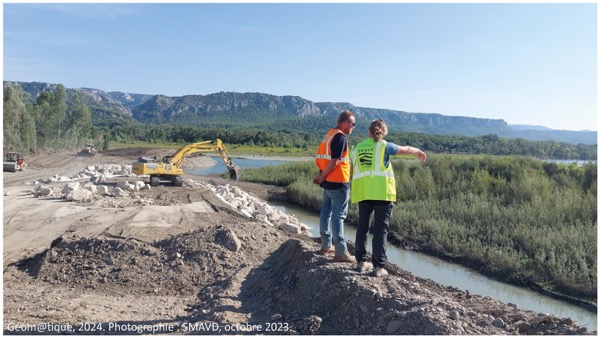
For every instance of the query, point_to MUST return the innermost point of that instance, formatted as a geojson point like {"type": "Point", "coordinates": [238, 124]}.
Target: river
{"type": "Point", "coordinates": [424, 266]}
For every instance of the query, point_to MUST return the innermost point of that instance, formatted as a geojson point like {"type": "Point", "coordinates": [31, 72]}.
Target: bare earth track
{"type": "Point", "coordinates": [166, 267]}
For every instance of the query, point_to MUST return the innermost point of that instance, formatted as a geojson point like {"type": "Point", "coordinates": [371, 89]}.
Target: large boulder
{"type": "Point", "coordinates": [79, 195]}
{"type": "Point", "coordinates": [229, 240]}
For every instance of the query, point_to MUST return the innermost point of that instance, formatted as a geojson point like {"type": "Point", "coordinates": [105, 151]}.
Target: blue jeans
{"type": "Point", "coordinates": [381, 224]}
{"type": "Point", "coordinates": [333, 211]}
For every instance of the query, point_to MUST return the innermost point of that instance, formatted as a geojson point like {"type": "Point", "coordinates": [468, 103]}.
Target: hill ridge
{"type": "Point", "coordinates": [260, 110]}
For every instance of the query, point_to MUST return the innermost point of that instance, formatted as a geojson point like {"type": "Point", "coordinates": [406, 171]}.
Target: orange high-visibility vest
{"type": "Point", "coordinates": [341, 173]}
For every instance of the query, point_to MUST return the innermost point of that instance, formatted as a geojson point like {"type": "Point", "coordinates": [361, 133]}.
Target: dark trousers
{"type": "Point", "coordinates": [382, 211]}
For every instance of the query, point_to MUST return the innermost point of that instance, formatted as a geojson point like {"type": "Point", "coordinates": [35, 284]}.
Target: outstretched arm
{"type": "Point", "coordinates": [408, 150]}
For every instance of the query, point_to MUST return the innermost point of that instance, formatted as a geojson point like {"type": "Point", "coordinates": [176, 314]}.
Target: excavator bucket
{"type": "Point", "coordinates": [234, 172]}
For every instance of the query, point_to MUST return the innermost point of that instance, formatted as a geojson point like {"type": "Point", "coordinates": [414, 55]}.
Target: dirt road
{"type": "Point", "coordinates": [175, 260]}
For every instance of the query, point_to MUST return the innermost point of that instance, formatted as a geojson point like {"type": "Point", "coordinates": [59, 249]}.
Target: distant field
{"type": "Point", "coordinates": [232, 149]}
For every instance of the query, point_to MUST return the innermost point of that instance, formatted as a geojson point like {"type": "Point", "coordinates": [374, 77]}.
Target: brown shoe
{"type": "Point", "coordinates": [380, 272]}
{"type": "Point", "coordinates": [362, 267]}
{"type": "Point", "coordinates": [327, 251]}
{"type": "Point", "coordinates": [344, 258]}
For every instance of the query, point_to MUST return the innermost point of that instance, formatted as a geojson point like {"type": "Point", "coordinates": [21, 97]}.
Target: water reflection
{"type": "Point", "coordinates": [220, 168]}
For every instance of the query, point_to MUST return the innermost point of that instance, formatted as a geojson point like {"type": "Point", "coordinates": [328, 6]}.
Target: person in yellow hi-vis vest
{"type": "Point", "coordinates": [374, 189]}
{"type": "Point", "coordinates": [333, 162]}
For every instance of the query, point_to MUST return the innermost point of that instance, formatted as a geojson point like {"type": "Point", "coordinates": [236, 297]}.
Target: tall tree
{"type": "Point", "coordinates": [50, 113]}
{"type": "Point", "coordinates": [78, 118]}
{"type": "Point", "coordinates": [14, 111]}
{"type": "Point", "coordinates": [28, 131]}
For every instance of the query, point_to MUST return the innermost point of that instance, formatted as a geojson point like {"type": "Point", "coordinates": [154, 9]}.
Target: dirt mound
{"type": "Point", "coordinates": [113, 265]}
{"type": "Point", "coordinates": [297, 291]}
{"type": "Point", "coordinates": [180, 265]}
{"type": "Point", "coordinates": [317, 296]}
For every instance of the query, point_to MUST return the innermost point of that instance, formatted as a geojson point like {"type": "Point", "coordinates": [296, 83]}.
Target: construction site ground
{"type": "Point", "coordinates": [165, 266]}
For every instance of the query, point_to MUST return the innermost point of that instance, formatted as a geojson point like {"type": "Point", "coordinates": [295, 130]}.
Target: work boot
{"type": "Point", "coordinates": [380, 272]}
{"type": "Point", "coordinates": [344, 258]}
{"type": "Point", "coordinates": [362, 267]}
{"type": "Point", "coordinates": [324, 252]}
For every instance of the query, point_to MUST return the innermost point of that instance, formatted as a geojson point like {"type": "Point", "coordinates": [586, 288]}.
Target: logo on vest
{"type": "Point", "coordinates": [365, 159]}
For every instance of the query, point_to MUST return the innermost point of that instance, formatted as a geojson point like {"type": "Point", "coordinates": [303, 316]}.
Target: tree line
{"type": "Point", "coordinates": [54, 121]}
{"type": "Point", "coordinates": [48, 123]}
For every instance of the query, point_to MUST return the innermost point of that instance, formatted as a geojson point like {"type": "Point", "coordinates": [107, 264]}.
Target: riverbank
{"type": "Point", "coordinates": [409, 244]}
{"type": "Point", "coordinates": [480, 267]}
{"type": "Point", "coordinates": [275, 158]}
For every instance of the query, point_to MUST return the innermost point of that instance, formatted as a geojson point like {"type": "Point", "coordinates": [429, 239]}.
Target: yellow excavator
{"type": "Point", "coordinates": [169, 167]}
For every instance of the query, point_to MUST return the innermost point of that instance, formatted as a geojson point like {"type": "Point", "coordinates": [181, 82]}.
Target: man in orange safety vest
{"type": "Point", "coordinates": [333, 161]}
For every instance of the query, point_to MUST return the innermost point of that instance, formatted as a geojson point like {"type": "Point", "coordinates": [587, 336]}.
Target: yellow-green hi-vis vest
{"type": "Point", "coordinates": [371, 179]}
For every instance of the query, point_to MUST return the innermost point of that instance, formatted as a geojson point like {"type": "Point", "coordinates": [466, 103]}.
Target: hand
{"type": "Point", "coordinates": [318, 179]}
{"type": "Point", "coordinates": [421, 156]}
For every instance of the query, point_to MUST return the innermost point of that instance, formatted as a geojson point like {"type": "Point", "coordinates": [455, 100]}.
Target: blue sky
{"type": "Point", "coordinates": [523, 63]}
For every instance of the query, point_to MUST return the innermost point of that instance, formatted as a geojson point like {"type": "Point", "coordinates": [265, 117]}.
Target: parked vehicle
{"type": "Point", "coordinates": [89, 150]}
{"type": "Point", "coordinates": [13, 161]}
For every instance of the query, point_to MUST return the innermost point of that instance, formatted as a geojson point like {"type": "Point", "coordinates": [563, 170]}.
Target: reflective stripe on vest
{"type": "Point", "coordinates": [326, 142]}
{"type": "Point", "coordinates": [341, 173]}
{"type": "Point", "coordinates": [371, 179]}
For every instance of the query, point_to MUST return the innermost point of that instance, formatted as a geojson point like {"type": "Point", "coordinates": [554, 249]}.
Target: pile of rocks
{"type": "Point", "coordinates": [95, 173]}
{"type": "Point", "coordinates": [253, 207]}
{"type": "Point", "coordinates": [77, 192]}
{"type": "Point", "coordinates": [232, 196]}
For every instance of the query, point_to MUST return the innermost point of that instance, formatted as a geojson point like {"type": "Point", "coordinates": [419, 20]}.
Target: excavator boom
{"type": "Point", "coordinates": [170, 167]}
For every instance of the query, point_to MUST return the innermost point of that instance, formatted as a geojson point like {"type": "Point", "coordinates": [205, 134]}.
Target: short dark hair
{"type": "Point", "coordinates": [345, 116]}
